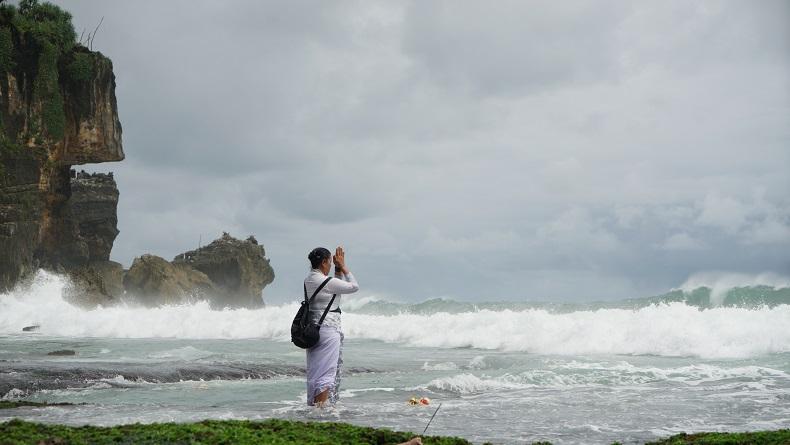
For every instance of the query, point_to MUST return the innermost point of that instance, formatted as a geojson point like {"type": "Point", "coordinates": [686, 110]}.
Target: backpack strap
{"type": "Point", "coordinates": [321, 321]}
{"type": "Point", "coordinates": [316, 291]}
{"type": "Point", "coordinates": [307, 302]}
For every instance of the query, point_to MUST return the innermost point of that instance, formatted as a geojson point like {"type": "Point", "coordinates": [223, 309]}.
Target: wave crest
{"type": "Point", "coordinates": [667, 328]}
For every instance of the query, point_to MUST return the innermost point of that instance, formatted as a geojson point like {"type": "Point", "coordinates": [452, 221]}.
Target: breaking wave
{"type": "Point", "coordinates": [670, 325]}
{"type": "Point", "coordinates": [575, 374]}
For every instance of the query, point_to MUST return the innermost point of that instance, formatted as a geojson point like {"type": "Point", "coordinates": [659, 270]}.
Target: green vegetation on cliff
{"type": "Point", "coordinates": [80, 68]}
{"type": "Point", "coordinates": [46, 91]}
{"type": "Point", "coordinates": [6, 46]}
{"type": "Point", "coordinates": [38, 43]}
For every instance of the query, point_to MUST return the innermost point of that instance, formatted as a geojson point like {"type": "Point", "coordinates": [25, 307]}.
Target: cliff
{"type": "Point", "coordinates": [57, 109]}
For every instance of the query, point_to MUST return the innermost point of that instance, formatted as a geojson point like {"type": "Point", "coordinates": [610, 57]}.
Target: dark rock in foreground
{"type": "Point", "coordinates": [239, 269]}
{"type": "Point", "coordinates": [63, 352]}
{"type": "Point", "coordinates": [34, 376]}
{"type": "Point", "coordinates": [9, 404]}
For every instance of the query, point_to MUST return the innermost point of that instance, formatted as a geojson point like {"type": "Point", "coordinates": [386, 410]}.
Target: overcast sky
{"type": "Point", "coordinates": [471, 150]}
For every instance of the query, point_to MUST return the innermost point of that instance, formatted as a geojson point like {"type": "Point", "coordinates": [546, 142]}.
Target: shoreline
{"type": "Point", "coordinates": [279, 431]}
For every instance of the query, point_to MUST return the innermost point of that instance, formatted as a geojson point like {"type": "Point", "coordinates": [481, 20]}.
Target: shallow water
{"type": "Point", "coordinates": [495, 396]}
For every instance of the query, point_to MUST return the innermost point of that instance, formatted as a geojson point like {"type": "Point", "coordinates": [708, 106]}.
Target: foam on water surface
{"type": "Point", "coordinates": [672, 328]}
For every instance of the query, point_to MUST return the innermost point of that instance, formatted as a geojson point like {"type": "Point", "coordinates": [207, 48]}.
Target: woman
{"type": "Point", "coordinates": [325, 358]}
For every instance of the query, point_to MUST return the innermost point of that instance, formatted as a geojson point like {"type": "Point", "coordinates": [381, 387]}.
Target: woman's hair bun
{"type": "Point", "coordinates": [317, 256]}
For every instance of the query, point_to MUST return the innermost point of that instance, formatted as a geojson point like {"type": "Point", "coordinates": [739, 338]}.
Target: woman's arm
{"type": "Point", "coordinates": [348, 285]}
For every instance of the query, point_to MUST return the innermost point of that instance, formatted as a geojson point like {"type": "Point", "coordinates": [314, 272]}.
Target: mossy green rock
{"type": "Point", "coordinates": [273, 431]}
{"type": "Point", "coordinates": [780, 437]}
{"type": "Point", "coordinates": [276, 431]}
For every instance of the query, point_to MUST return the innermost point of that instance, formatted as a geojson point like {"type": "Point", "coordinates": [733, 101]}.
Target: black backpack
{"type": "Point", "coordinates": [304, 333]}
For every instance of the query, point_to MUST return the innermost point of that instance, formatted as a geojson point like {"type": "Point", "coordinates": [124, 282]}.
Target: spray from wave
{"type": "Point", "coordinates": [42, 304]}
{"type": "Point", "coordinates": [725, 288]}
{"type": "Point", "coordinates": [664, 327]}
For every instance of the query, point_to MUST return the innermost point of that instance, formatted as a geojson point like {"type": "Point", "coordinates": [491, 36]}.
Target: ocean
{"type": "Point", "coordinates": [698, 358]}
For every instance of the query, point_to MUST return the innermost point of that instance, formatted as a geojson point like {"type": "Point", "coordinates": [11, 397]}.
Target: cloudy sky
{"type": "Point", "coordinates": [475, 150]}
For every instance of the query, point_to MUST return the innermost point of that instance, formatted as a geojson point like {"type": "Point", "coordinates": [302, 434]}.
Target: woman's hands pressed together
{"type": "Point", "coordinates": [339, 258]}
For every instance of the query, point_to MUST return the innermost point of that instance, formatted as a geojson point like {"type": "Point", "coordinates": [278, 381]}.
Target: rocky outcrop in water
{"type": "Point", "coordinates": [239, 269]}
{"type": "Point", "coordinates": [95, 283]}
{"type": "Point", "coordinates": [154, 281]}
{"type": "Point", "coordinates": [227, 273]}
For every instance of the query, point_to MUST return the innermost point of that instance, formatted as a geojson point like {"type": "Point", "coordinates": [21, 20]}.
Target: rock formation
{"type": "Point", "coordinates": [239, 269]}
{"type": "Point", "coordinates": [227, 273]}
{"type": "Point", "coordinates": [57, 109]}
{"type": "Point", "coordinates": [92, 216]}
{"type": "Point", "coordinates": [93, 210]}
{"type": "Point", "coordinates": [154, 281]}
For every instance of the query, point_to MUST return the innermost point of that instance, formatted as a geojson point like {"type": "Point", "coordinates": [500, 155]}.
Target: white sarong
{"type": "Point", "coordinates": [324, 361]}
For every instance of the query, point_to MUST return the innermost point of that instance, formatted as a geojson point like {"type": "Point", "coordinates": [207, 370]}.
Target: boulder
{"type": "Point", "coordinates": [62, 352]}
{"type": "Point", "coordinates": [95, 283]}
{"type": "Point", "coordinates": [154, 281]}
{"type": "Point", "coordinates": [239, 270]}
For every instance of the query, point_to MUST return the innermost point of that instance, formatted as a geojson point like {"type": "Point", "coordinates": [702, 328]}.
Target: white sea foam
{"type": "Point", "coordinates": [443, 366]}
{"type": "Point", "coordinates": [611, 375]}
{"type": "Point", "coordinates": [14, 393]}
{"type": "Point", "coordinates": [478, 362]}
{"type": "Point", "coordinates": [42, 304]}
{"type": "Point", "coordinates": [469, 384]}
{"type": "Point", "coordinates": [183, 353]}
{"type": "Point", "coordinates": [352, 302]}
{"type": "Point", "coordinates": [673, 329]}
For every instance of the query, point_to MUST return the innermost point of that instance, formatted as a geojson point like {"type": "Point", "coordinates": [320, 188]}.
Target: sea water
{"type": "Point", "coordinates": [696, 359]}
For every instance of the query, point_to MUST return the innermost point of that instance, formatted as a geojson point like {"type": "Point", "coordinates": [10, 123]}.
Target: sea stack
{"type": "Point", "coordinates": [228, 272]}
{"type": "Point", "coordinates": [239, 269]}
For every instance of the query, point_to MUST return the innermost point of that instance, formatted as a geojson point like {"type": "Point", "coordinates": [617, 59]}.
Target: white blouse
{"type": "Point", "coordinates": [345, 285]}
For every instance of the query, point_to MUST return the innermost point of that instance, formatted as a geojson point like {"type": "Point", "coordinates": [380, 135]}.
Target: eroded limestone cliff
{"type": "Point", "coordinates": [57, 109]}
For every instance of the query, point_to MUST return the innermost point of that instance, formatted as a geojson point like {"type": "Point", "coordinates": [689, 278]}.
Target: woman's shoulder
{"type": "Point", "coordinates": [315, 275]}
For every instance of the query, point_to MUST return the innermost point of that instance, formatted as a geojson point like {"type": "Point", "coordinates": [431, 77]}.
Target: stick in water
{"type": "Point", "coordinates": [429, 422]}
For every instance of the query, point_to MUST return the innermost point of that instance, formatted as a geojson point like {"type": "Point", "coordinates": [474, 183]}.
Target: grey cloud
{"type": "Point", "coordinates": [569, 150]}
{"type": "Point", "coordinates": [513, 47]}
